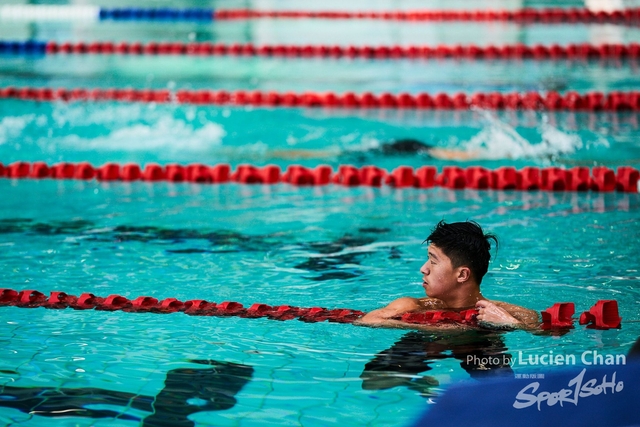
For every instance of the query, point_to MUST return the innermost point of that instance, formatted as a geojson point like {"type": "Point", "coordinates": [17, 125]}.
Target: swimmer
{"type": "Point", "coordinates": [458, 258]}
{"type": "Point", "coordinates": [401, 147]}
{"type": "Point", "coordinates": [396, 148]}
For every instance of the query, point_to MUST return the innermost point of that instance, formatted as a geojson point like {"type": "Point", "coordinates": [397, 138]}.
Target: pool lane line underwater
{"type": "Point", "coordinates": [572, 52]}
{"type": "Point", "coordinates": [536, 101]}
{"type": "Point", "coordinates": [89, 13]}
{"type": "Point", "coordinates": [603, 314]}
{"type": "Point", "coordinates": [579, 178]}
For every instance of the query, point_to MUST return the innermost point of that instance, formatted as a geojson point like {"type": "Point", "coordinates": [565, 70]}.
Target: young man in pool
{"type": "Point", "coordinates": [458, 259]}
{"type": "Point", "coordinates": [399, 147]}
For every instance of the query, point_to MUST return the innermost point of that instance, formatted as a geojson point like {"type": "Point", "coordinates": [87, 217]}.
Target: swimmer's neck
{"type": "Point", "coordinates": [462, 300]}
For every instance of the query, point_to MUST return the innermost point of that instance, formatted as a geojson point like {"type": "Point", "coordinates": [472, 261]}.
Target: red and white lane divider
{"type": "Point", "coordinates": [518, 51]}
{"type": "Point", "coordinates": [526, 15]}
{"type": "Point", "coordinates": [551, 101]}
{"type": "Point", "coordinates": [600, 179]}
{"type": "Point", "coordinates": [603, 315]}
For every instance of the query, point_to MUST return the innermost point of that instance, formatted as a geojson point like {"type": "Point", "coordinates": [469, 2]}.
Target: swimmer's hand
{"type": "Point", "coordinates": [493, 316]}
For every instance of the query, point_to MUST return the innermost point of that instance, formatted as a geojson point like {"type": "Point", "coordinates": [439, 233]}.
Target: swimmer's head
{"type": "Point", "coordinates": [405, 146]}
{"type": "Point", "coordinates": [465, 244]}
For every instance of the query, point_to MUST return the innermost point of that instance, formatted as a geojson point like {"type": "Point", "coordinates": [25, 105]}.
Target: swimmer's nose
{"type": "Point", "coordinates": [425, 269]}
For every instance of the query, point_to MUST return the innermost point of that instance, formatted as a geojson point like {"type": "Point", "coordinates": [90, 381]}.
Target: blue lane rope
{"type": "Point", "coordinates": [27, 47]}
{"type": "Point", "coordinates": [88, 13]}
{"type": "Point", "coordinates": [156, 14]}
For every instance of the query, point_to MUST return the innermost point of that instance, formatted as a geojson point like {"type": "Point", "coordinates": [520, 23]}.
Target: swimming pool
{"type": "Point", "coordinates": [328, 246]}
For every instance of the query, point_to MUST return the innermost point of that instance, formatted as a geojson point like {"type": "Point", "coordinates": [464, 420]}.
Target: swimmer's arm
{"type": "Point", "coordinates": [528, 318]}
{"type": "Point", "coordinates": [501, 314]}
{"type": "Point", "coordinates": [446, 154]}
{"type": "Point", "coordinates": [383, 317]}
{"type": "Point", "coordinates": [303, 154]}
{"type": "Point", "coordinates": [530, 321]}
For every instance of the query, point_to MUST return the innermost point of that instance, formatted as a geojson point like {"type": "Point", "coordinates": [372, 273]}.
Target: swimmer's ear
{"type": "Point", "coordinates": [464, 274]}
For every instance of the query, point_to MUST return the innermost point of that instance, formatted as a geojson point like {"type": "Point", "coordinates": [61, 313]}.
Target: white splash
{"type": "Point", "coordinates": [158, 130]}
{"type": "Point", "coordinates": [367, 142]}
{"type": "Point", "coordinates": [12, 126]}
{"type": "Point", "coordinates": [498, 140]}
{"type": "Point", "coordinates": [557, 141]}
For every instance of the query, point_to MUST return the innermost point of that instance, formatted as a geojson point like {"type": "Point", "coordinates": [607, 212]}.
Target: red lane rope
{"type": "Point", "coordinates": [144, 304]}
{"type": "Point", "coordinates": [551, 101]}
{"type": "Point", "coordinates": [600, 179]}
{"type": "Point", "coordinates": [518, 51]}
{"type": "Point", "coordinates": [526, 15]}
{"type": "Point", "coordinates": [603, 315]}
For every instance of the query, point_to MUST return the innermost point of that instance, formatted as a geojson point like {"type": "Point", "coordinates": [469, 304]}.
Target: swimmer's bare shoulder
{"type": "Point", "coordinates": [529, 318]}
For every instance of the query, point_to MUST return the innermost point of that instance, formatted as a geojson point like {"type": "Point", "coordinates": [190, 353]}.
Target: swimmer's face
{"type": "Point", "coordinates": [439, 278]}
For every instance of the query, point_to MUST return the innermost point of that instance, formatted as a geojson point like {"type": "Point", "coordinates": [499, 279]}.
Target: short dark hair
{"type": "Point", "coordinates": [465, 244]}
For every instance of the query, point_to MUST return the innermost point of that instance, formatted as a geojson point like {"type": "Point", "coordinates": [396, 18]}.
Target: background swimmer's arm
{"type": "Point", "coordinates": [446, 154]}
{"type": "Point", "coordinates": [303, 154]}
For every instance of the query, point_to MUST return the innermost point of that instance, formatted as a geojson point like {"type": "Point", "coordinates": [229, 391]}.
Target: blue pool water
{"type": "Point", "coordinates": [328, 246]}
{"type": "Point", "coordinates": [101, 132]}
{"type": "Point", "coordinates": [333, 247]}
